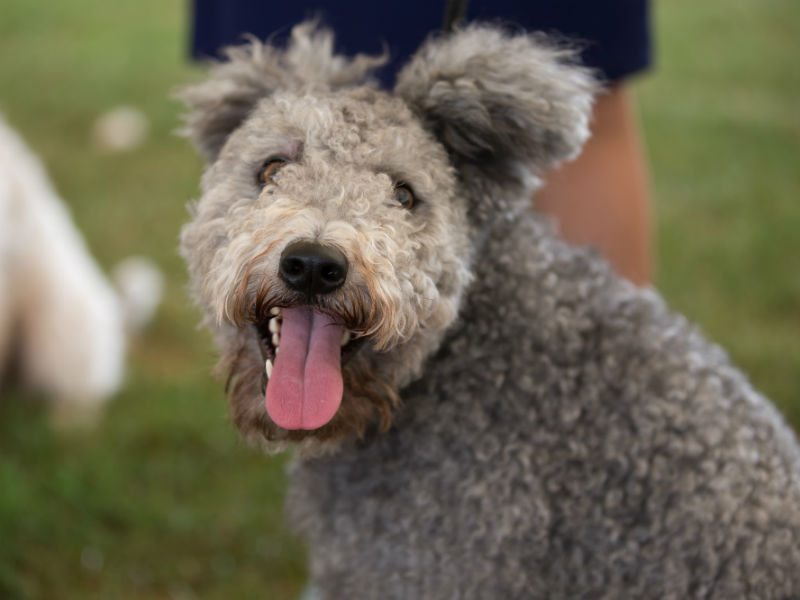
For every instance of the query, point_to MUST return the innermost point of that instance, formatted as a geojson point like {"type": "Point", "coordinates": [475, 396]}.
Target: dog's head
{"type": "Point", "coordinates": [332, 242]}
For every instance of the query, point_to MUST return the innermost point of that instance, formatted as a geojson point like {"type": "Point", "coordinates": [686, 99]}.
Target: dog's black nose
{"type": "Point", "coordinates": [313, 268]}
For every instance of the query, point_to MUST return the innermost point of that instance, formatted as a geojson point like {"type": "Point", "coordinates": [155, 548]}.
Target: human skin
{"type": "Point", "coordinates": [602, 199]}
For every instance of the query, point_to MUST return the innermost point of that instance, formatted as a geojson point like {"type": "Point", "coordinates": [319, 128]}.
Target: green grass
{"type": "Point", "coordinates": [722, 123]}
{"type": "Point", "coordinates": [163, 500]}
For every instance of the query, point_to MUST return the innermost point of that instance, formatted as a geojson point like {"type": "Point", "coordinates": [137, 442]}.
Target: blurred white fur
{"type": "Point", "coordinates": [121, 129]}
{"type": "Point", "coordinates": [65, 324]}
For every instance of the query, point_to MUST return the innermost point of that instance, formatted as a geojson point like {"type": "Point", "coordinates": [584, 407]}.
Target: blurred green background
{"type": "Point", "coordinates": [163, 500]}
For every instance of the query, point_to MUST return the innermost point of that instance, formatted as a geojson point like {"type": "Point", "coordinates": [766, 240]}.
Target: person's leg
{"type": "Point", "coordinates": [602, 199]}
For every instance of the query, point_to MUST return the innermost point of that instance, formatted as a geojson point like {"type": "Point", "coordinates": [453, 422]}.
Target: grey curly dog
{"type": "Point", "coordinates": [480, 410]}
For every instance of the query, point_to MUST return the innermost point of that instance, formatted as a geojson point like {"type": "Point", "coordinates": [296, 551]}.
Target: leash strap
{"type": "Point", "coordinates": [454, 14]}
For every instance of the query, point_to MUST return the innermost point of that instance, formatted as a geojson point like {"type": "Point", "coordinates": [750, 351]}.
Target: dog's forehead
{"type": "Point", "coordinates": [353, 122]}
{"type": "Point", "coordinates": [352, 133]}
{"type": "Point", "coordinates": [364, 107]}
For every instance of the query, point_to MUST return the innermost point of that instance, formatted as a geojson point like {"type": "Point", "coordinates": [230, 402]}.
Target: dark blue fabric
{"type": "Point", "coordinates": [614, 36]}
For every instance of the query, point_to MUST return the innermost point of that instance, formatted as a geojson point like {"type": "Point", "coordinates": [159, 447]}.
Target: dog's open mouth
{"type": "Point", "coordinates": [304, 349]}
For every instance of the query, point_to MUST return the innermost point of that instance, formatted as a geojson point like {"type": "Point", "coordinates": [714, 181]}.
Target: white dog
{"type": "Point", "coordinates": [62, 325]}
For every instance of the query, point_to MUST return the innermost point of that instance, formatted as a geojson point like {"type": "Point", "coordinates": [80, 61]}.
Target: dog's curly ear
{"type": "Point", "coordinates": [497, 100]}
{"type": "Point", "coordinates": [256, 70]}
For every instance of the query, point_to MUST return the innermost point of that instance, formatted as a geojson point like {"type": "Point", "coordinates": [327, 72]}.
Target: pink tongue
{"type": "Point", "coordinates": [305, 389]}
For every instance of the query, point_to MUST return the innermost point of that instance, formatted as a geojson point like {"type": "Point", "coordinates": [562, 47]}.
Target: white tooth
{"type": "Point", "coordinates": [274, 326]}
{"type": "Point", "coordinates": [276, 340]}
{"type": "Point", "coordinates": [269, 368]}
{"type": "Point", "coordinates": [345, 337]}
{"type": "Point", "coordinates": [275, 311]}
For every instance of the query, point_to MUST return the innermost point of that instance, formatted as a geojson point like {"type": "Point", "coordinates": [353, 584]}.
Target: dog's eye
{"type": "Point", "coordinates": [269, 172]}
{"type": "Point", "coordinates": [403, 195]}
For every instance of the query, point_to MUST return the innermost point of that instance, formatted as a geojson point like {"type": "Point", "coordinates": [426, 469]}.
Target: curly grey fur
{"type": "Point", "coordinates": [490, 109]}
{"type": "Point", "coordinates": [250, 73]}
{"type": "Point", "coordinates": [565, 435]}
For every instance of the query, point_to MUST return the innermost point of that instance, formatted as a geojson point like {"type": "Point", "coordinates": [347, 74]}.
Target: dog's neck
{"type": "Point", "coordinates": [486, 229]}
{"type": "Point", "coordinates": [514, 246]}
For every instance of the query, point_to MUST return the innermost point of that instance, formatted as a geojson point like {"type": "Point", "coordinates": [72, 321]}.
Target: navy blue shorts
{"type": "Point", "coordinates": [614, 36]}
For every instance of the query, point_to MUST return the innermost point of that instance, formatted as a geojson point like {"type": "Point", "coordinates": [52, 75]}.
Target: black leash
{"type": "Point", "coordinates": [454, 14]}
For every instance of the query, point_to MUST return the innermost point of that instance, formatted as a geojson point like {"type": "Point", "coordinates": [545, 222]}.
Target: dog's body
{"type": "Point", "coordinates": [62, 324]}
{"type": "Point", "coordinates": [517, 422]}
{"type": "Point", "coordinates": [607, 456]}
